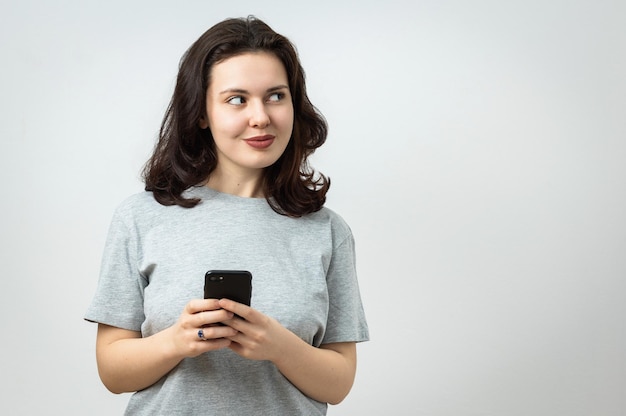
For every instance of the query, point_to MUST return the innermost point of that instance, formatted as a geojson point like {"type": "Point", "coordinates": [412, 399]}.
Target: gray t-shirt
{"type": "Point", "coordinates": [304, 276]}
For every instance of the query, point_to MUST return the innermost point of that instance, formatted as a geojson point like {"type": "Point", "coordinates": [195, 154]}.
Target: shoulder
{"type": "Point", "coordinates": [141, 201]}
{"type": "Point", "coordinates": [337, 225]}
{"type": "Point", "coordinates": [138, 207]}
{"type": "Point", "coordinates": [327, 214]}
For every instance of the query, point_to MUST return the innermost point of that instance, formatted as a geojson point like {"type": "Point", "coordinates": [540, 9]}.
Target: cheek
{"type": "Point", "coordinates": [225, 123]}
{"type": "Point", "coordinates": [285, 121]}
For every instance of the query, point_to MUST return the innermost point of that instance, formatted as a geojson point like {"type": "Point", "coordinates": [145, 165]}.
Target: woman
{"type": "Point", "coordinates": [228, 187]}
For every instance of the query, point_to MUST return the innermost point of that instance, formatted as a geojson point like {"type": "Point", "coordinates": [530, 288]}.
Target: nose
{"type": "Point", "coordinates": [259, 118]}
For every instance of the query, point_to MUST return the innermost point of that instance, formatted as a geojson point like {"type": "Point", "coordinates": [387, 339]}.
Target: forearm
{"type": "Point", "coordinates": [134, 363]}
{"type": "Point", "coordinates": [127, 362]}
{"type": "Point", "coordinates": [325, 374]}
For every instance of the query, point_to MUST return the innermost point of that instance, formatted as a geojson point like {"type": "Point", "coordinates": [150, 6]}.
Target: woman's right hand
{"type": "Point", "coordinates": [198, 328]}
{"type": "Point", "coordinates": [128, 362]}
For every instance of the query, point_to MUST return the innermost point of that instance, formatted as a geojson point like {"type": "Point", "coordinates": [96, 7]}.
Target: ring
{"type": "Point", "coordinates": [201, 334]}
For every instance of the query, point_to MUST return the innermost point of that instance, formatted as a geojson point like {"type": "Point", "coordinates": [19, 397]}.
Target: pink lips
{"type": "Point", "coordinates": [260, 142]}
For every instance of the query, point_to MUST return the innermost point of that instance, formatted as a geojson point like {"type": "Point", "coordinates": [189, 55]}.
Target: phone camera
{"type": "Point", "coordinates": [216, 278]}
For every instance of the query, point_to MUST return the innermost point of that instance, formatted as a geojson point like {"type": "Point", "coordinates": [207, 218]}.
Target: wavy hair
{"type": "Point", "coordinates": [185, 154]}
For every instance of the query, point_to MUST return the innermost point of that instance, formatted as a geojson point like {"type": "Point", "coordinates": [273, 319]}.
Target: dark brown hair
{"type": "Point", "coordinates": [185, 154]}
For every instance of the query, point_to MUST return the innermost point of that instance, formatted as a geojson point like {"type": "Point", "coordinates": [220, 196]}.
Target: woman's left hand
{"type": "Point", "coordinates": [259, 336]}
{"type": "Point", "coordinates": [324, 373]}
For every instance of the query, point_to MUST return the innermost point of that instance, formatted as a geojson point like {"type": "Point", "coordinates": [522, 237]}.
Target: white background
{"type": "Point", "coordinates": [477, 149]}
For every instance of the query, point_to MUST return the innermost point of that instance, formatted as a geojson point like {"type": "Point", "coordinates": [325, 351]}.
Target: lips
{"type": "Point", "coordinates": [260, 142]}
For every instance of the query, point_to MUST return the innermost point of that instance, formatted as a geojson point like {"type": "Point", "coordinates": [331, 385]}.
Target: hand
{"type": "Point", "coordinates": [258, 336]}
{"type": "Point", "coordinates": [325, 374]}
{"type": "Point", "coordinates": [201, 314]}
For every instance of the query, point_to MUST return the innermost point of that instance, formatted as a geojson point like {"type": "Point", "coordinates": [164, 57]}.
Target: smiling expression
{"type": "Point", "coordinates": [249, 112]}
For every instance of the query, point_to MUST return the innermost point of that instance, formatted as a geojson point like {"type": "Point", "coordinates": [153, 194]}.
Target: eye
{"type": "Point", "coordinates": [277, 96]}
{"type": "Point", "coordinates": [236, 100]}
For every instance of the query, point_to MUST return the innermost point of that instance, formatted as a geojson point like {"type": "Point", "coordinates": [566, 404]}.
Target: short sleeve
{"type": "Point", "coordinates": [346, 316]}
{"type": "Point", "coordinates": [118, 300]}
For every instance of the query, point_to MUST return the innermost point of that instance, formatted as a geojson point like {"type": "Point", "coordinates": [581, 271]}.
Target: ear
{"type": "Point", "coordinates": [203, 123]}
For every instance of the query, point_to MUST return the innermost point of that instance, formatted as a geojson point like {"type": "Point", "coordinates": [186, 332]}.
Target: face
{"type": "Point", "coordinates": [249, 112]}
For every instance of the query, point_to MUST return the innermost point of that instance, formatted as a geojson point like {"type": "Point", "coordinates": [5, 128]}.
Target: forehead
{"type": "Point", "coordinates": [250, 70]}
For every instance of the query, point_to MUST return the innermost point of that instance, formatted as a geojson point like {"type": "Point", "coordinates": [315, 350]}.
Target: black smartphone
{"type": "Point", "coordinates": [230, 284]}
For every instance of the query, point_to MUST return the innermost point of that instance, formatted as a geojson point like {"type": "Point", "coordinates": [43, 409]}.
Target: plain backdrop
{"type": "Point", "coordinates": [476, 148]}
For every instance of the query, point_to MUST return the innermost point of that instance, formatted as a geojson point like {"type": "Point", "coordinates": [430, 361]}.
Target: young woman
{"type": "Point", "coordinates": [229, 187]}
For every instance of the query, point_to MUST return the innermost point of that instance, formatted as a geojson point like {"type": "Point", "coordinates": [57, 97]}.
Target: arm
{"type": "Point", "coordinates": [127, 362]}
{"type": "Point", "coordinates": [325, 374]}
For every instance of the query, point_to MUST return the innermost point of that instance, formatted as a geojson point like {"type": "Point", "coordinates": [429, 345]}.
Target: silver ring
{"type": "Point", "coordinates": [201, 334]}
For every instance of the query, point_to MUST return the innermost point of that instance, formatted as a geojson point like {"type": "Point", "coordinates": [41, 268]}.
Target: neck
{"type": "Point", "coordinates": [244, 185]}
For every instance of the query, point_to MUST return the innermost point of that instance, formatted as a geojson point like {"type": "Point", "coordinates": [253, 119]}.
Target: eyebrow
{"type": "Point", "coordinates": [242, 91]}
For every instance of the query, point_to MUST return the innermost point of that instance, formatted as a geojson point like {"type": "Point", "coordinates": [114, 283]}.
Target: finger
{"type": "Point", "coordinates": [237, 308]}
{"type": "Point", "coordinates": [215, 332]}
{"type": "Point", "coordinates": [240, 324]}
{"type": "Point", "coordinates": [201, 305]}
{"type": "Point", "coordinates": [213, 344]}
{"type": "Point", "coordinates": [210, 317]}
